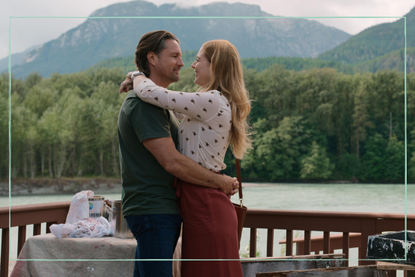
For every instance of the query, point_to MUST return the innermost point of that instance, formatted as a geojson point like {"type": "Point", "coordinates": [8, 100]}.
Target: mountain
{"type": "Point", "coordinates": [374, 42]}
{"type": "Point", "coordinates": [103, 38]}
{"type": "Point", "coordinates": [16, 58]}
{"type": "Point", "coordinates": [391, 61]}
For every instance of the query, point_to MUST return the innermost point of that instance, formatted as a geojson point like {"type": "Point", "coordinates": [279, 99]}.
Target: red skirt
{"type": "Point", "coordinates": [209, 231]}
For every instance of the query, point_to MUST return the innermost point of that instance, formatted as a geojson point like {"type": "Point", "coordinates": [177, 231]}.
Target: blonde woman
{"type": "Point", "coordinates": [212, 119]}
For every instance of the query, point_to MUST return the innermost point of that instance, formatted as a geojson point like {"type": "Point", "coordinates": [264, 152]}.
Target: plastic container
{"type": "Point", "coordinates": [96, 206]}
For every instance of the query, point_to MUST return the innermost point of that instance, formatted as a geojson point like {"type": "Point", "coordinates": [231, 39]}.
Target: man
{"type": "Point", "coordinates": [149, 159]}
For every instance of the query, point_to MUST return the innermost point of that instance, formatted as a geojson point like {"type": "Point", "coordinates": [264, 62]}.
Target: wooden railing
{"type": "Point", "coordinates": [21, 216]}
{"type": "Point", "coordinates": [364, 223]}
{"type": "Point", "coordinates": [317, 242]}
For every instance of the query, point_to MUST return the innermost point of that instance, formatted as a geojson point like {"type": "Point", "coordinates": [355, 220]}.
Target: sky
{"type": "Point", "coordinates": [28, 32]}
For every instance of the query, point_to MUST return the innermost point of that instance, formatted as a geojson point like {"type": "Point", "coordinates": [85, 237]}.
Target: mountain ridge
{"type": "Point", "coordinates": [374, 41]}
{"type": "Point", "coordinates": [97, 39]}
{"type": "Point", "coordinates": [15, 58]}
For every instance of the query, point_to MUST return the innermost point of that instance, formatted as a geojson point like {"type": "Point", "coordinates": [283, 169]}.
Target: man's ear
{"type": "Point", "coordinates": [151, 57]}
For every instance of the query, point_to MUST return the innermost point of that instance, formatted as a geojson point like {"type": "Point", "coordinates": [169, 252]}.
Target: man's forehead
{"type": "Point", "coordinates": [172, 46]}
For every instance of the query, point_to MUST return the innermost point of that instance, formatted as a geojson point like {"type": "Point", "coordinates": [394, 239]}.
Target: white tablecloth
{"type": "Point", "coordinates": [50, 247]}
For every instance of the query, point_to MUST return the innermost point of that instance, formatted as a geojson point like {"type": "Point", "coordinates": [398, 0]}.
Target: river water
{"type": "Point", "coordinates": [307, 197]}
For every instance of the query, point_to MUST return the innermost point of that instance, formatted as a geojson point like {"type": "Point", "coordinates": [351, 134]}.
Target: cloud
{"type": "Point", "coordinates": [184, 4]}
{"type": "Point", "coordinates": [32, 31]}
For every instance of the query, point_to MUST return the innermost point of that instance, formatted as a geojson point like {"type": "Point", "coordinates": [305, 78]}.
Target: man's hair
{"type": "Point", "coordinates": [151, 42]}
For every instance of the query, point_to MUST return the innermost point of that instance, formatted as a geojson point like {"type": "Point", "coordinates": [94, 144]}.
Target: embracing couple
{"type": "Point", "coordinates": [171, 170]}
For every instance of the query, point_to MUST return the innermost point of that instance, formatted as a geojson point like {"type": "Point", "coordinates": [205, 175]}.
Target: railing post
{"type": "Point", "coordinates": [252, 244]}
{"type": "Point", "coordinates": [36, 229]}
{"type": "Point", "coordinates": [48, 224]}
{"type": "Point", "coordinates": [368, 228]}
{"type": "Point", "coordinates": [21, 238]}
{"type": "Point", "coordinates": [4, 271]}
{"type": "Point", "coordinates": [289, 243]}
{"type": "Point", "coordinates": [307, 242]}
{"type": "Point", "coordinates": [326, 242]}
{"type": "Point", "coordinates": [346, 246]}
{"type": "Point", "coordinates": [270, 242]}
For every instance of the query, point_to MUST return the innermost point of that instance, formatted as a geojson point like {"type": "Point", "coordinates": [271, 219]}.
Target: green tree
{"type": "Point", "coordinates": [277, 152]}
{"type": "Point", "coordinates": [107, 107]}
{"type": "Point", "coordinates": [411, 155]}
{"type": "Point", "coordinates": [4, 132]}
{"type": "Point", "coordinates": [316, 165]}
{"type": "Point", "coordinates": [347, 166]}
{"type": "Point", "coordinates": [39, 99]}
{"type": "Point", "coordinates": [360, 117]}
{"type": "Point", "coordinates": [32, 80]}
{"type": "Point", "coordinates": [273, 93]}
{"type": "Point", "coordinates": [374, 161]}
{"type": "Point", "coordinates": [395, 158]}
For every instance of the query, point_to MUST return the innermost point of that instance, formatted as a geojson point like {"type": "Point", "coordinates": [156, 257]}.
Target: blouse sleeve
{"type": "Point", "coordinates": [199, 105]}
{"type": "Point", "coordinates": [179, 116]}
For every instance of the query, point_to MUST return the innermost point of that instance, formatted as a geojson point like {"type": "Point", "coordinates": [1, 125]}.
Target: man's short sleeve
{"type": "Point", "coordinates": [149, 121]}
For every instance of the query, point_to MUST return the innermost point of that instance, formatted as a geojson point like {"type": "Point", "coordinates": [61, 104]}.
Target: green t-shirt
{"type": "Point", "coordinates": [146, 186]}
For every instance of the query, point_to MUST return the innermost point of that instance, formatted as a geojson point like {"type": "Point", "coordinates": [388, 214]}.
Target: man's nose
{"type": "Point", "coordinates": [181, 64]}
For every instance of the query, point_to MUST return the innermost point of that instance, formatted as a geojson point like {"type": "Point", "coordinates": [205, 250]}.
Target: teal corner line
{"type": "Point", "coordinates": [123, 260]}
{"type": "Point", "coordinates": [10, 126]}
{"type": "Point", "coordinates": [168, 260]}
{"type": "Point", "coordinates": [200, 17]}
{"type": "Point", "coordinates": [205, 17]}
{"type": "Point", "coordinates": [406, 140]}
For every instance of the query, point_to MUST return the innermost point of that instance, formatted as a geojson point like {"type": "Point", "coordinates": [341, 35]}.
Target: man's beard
{"type": "Point", "coordinates": [174, 77]}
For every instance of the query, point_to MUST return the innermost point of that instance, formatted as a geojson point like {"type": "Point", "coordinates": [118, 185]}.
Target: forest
{"type": "Point", "coordinates": [316, 125]}
{"type": "Point", "coordinates": [391, 61]}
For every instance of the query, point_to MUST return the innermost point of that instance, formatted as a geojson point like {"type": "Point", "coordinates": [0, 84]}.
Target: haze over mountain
{"type": "Point", "coordinates": [99, 39]}
{"type": "Point", "coordinates": [375, 42]}
{"type": "Point", "coordinates": [15, 58]}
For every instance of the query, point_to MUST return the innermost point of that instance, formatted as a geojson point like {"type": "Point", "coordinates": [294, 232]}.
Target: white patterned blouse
{"type": "Point", "coordinates": [206, 121]}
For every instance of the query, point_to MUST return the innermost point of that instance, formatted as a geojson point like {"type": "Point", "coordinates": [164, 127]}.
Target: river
{"type": "Point", "coordinates": [310, 197]}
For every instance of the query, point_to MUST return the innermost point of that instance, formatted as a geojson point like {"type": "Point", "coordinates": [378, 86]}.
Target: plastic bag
{"type": "Point", "coordinates": [78, 223]}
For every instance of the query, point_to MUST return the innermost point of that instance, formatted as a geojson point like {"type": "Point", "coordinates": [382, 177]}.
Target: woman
{"type": "Point", "coordinates": [211, 119]}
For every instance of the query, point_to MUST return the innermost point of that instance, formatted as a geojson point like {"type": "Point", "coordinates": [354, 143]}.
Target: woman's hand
{"type": "Point", "coordinates": [235, 189]}
{"type": "Point", "coordinates": [127, 85]}
{"type": "Point", "coordinates": [229, 185]}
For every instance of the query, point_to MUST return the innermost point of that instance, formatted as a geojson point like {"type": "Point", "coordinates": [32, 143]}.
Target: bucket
{"type": "Point", "coordinates": [96, 206]}
{"type": "Point", "coordinates": [118, 222]}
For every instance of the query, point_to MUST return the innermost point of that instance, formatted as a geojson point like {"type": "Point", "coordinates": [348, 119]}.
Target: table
{"type": "Point", "coordinates": [410, 269]}
{"type": "Point", "coordinates": [50, 247]}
